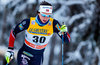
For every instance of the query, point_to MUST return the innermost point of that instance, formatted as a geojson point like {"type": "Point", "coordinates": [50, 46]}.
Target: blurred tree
{"type": "Point", "coordinates": [97, 23]}
{"type": "Point", "coordinates": [4, 28]}
{"type": "Point", "coordinates": [52, 50]}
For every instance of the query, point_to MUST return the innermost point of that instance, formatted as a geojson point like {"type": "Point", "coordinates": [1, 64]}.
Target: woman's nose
{"type": "Point", "coordinates": [46, 17]}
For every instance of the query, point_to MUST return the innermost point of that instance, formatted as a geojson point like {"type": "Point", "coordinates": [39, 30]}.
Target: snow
{"type": "Point", "coordinates": [72, 2]}
{"type": "Point", "coordinates": [81, 26]}
{"type": "Point", "coordinates": [88, 21]}
{"type": "Point", "coordinates": [75, 17]}
{"type": "Point", "coordinates": [88, 13]}
{"type": "Point", "coordinates": [31, 1]}
{"type": "Point", "coordinates": [3, 50]}
{"type": "Point", "coordinates": [75, 55]}
{"type": "Point", "coordinates": [14, 3]}
{"type": "Point", "coordinates": [1, 8]}
{"type": "Point", "coordinates": [57, 15]}
{"type": "Point", "coordinates": [5, 2]}
{"type": "Point", "coordinates": [22, 7]}
{"type": "Point", "coordinates": [97, 50]}
{"type": "Point", "coordinates": [50, 1]}
{"type": "Point", "coordinates": [57, 49]}
{"type": "Point", "coordinates": [74, 35]}
{"type": "Point", "coordinates": [47, 54]}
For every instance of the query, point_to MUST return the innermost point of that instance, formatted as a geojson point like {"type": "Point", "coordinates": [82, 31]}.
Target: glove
{"type": "Point", "coordinates": [9, 55]}
{"type": "Point", "coordinates": [63, 28]}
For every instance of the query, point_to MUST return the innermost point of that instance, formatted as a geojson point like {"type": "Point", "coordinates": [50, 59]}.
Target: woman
{"type": "Point", "coordinates": [38, 31]}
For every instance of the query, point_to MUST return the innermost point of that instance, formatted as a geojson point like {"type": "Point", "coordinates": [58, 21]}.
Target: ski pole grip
{"type": "Point", "coordinates": [62, 23]}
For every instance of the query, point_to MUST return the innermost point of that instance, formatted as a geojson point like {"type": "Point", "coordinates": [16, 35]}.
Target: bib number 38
{"type": "Point", "coordinates": [37, 39]}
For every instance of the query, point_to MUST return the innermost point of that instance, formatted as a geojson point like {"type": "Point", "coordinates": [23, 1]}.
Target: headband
{"type": "Point", "coordinates": [46, 9]}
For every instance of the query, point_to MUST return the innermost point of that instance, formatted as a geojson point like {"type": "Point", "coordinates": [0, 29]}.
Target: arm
{"type": "Point", "coordinates": [18, 28]}
{"type": "Point", "coordinates": [56, 28]}
{"type": "Point", "coordinates": [9, 55]}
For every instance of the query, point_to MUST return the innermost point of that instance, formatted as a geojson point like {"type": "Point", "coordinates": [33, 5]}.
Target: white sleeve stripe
{"type": "Point", "coordinates": [12, 34]}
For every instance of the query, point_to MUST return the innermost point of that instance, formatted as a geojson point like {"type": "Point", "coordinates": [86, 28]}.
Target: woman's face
{"type": "Point", "coordinates": [44, 17]}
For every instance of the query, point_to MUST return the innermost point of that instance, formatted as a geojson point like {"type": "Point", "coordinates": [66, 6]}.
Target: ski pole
{"type": "Point", "coordinates": [62, 46]}
{"type": "Point", "coordinates": [62, 49]}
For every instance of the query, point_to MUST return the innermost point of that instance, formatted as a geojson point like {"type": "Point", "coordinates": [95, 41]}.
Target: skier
{"type": "Point", "coordinates": [38, 31]}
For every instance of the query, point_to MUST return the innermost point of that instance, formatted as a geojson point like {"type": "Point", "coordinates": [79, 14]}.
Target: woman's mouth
{"type": "Point", "coordinates": [44, 21]}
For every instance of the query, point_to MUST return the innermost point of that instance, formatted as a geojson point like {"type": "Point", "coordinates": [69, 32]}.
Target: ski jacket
{"type": "Point", "coordinates": [37, 34]}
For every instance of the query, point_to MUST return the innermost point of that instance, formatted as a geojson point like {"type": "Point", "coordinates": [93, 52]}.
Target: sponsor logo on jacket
{"type": "Point", "coordinates": [38, 31]}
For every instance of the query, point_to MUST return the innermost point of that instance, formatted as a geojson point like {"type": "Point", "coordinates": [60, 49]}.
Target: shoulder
{"type": "Point", "coordinates": [24, 23]}
{"type": "Point", "coordinates": [26, 20]}
{"type": "Point", "coordinates": [55, 22]}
